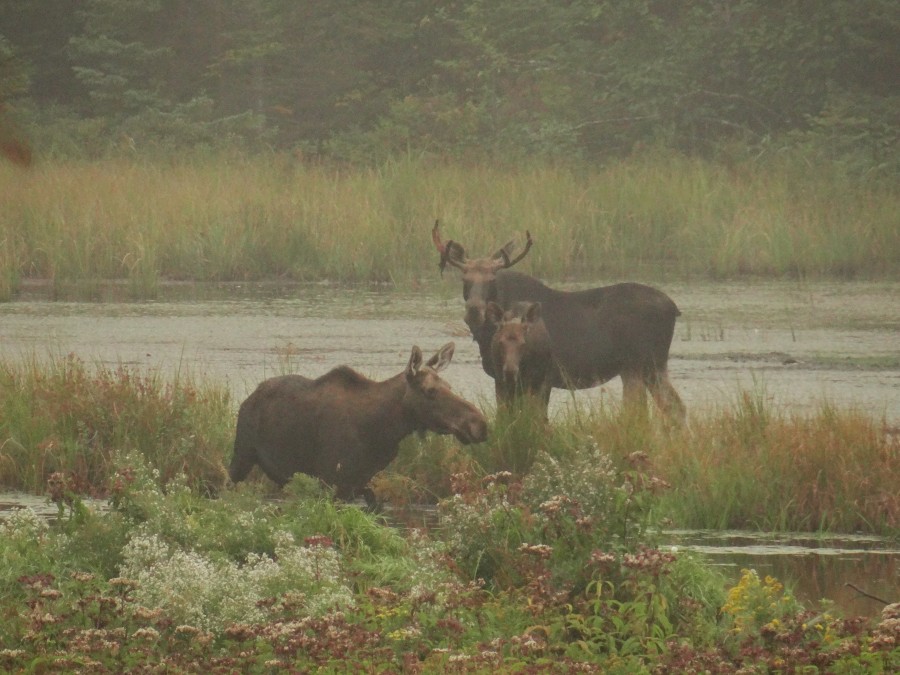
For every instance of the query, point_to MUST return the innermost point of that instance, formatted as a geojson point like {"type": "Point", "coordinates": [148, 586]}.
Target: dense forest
{"type": "Point", "coordinates": [509, 79]}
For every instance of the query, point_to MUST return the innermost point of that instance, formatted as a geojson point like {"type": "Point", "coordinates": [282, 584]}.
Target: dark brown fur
{"type": "Point", "coordinates": [596, 334]}
{"type": "Point", "coordinates": [520, 353]}
{"type": "Point", "coordinates": [343, 427]}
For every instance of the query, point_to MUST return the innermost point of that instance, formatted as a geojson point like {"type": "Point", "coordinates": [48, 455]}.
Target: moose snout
{"type": "Point", "coordinates": [474, 317]}
{"type": "Point", "coordinates": [474, 429]}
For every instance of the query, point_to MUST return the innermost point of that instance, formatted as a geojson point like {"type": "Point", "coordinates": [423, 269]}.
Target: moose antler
{"type": "Point", "coordinates": [436, 237]}
{"type": "Point", "coordinates": [451, 252]}
{"type": "Point", "coordinates": [509, 263]}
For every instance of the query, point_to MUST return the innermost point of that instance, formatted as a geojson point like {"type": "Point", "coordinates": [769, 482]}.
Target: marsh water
{"type": "Point", "coordinates": [798, 345]}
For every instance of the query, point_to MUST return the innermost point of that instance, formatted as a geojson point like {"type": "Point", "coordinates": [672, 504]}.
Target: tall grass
{"type": "Point", "coordinates": [273, 217]}
{"type": "Point", "coordinates": [748, 465]}
{"type": "Point", "coordinates": [745, 466]}
{"type": "Point", "coordinates": [60, 416]}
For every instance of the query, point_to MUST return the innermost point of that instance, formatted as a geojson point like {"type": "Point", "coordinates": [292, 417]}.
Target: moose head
{"type": "Point", "coordinates": [479, 275]}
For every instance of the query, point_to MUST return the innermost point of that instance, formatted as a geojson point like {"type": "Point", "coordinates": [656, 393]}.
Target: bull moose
{"type": "Point", "coordinates": [624, 329]}
{"type": "Point", "coordinates": [343, 428]}
{"type": "Point", "coordinates": [520, 352]}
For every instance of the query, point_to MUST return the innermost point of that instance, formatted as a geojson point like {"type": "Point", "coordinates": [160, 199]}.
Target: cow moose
{"type": "Point", "coordinates": [624, 329]}
{"type": "Point", "coordinates": [343, 428]}
{"type": "Point", "coordinates": [520, 353]}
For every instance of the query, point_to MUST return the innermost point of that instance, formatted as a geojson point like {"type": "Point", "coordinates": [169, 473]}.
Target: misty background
{"type": "Point", "coordinates": [498, 79]}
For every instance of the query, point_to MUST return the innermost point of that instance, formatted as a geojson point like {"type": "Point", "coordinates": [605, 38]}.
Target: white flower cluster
{"type": "Point", "coordinates": [213, 594]}
{"type": "Point", "coordinates": [428, 575]}
{"type": "Point", "coordinates": [24, 524]}
{"type": "Point", "coordinates": [191, 588]}
{"type": "Point", "coordinates": [587, 478]}
{"type": "Point", "coordinates": [465, 523]}
{"type": "Point", "coordinates": [245, 520]}
{"type": "Point", "coordinates": [313, 572]}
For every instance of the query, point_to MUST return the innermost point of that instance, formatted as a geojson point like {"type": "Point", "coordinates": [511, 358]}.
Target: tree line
{"type": "Point", "coordinates": [510, 79]}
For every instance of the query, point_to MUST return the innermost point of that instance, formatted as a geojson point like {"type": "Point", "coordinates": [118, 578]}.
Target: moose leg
{"type": "Point", "coordinates": [667, 399]}
{"type": "Point", "coordinates": [246, 435]}
{"type": "Point", "coordinates": [544, 396]}
{"type": "Point", "coordinates": [243, 461]}
{"type": "Point", "coordinates": [634, 397]}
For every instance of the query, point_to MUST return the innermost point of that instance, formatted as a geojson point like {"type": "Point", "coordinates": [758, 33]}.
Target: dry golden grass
{"type": "Point", "coordinates": [755, 467]}
{"type": "Point", "coordinates": [273, 217]}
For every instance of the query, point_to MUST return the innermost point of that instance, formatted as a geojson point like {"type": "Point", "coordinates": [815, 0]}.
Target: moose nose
{"type": "Point", "coordinates": [478, 429]}
{"type": "Point", "coordinates": [474, 316]}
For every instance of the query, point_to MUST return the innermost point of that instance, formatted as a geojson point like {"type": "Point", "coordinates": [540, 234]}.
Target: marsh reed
{"type": "Point", "coordinates": [60, 415]}
{"type": "Point", "coordinates": [753, 466]}
{"type": "Point", "coordinates": [273, 217]}
{"type": "Point", "coordinates": [746, 465]}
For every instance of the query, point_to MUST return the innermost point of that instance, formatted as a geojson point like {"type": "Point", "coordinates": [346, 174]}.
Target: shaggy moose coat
{"type": "Point", "coordinates": [596, 334]}
{"type": "Point", "coordinates": [343, 427]}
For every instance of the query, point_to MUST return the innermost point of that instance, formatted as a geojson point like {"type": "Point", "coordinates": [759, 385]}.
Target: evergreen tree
{"type": "Point", "coordinates": [13, 81]}
{"type": "Point", "coordinates": [515, 78]}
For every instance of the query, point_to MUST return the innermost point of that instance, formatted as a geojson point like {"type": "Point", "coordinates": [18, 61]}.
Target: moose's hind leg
{"type": "Point", "coordinates": [634, 395]}
{"type": "Point", "coordinates": [667, 399]}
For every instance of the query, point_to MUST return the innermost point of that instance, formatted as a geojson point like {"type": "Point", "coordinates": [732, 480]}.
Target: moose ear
{"type": "Point", "coordinates": [442, 358]}
{"type": "Point", "coordinates": [451, 252]}
{"type": "Point", "coordinates": [454, 254]}
{"type": "Point", "coordinates": [415, 362]}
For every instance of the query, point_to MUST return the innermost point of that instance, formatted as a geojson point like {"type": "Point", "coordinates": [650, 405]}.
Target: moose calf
{"type": "Point", "coordinates": [520, 352]}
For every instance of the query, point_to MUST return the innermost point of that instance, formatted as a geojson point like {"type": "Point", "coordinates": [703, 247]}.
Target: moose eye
{"type": "Point", "coordinates": [430, 392]}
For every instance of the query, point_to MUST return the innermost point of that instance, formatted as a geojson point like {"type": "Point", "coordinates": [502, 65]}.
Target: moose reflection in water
{"type": "Point", "coordinates": [343, 428]}
{"type": "Point", "coordinates": [625, 329]}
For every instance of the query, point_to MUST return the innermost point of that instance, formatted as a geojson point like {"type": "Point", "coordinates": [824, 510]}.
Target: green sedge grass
{"type": "Point", "coordinates": [217, 218]}
{"type": "Point", "coordinates": [747, 465]}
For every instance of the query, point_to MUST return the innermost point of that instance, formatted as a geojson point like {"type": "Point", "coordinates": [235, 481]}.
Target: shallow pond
{"type": "Point", "coordinates": [839, 568]}
{"type": "Point", "coordinates": [797, 344]}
